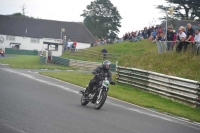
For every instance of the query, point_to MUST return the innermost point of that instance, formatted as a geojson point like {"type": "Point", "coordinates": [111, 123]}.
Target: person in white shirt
{"type": "Point", "coordinates": [197, 38]}
{"type": "Point", "coordinates": [182, 36]}
{"type": "Point", "coordinates": [69, 45]}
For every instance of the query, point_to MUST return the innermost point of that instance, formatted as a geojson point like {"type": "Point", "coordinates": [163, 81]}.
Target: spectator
{"type": "Point", "coordinates": [68, 44]}
{"type": "Point", "coordinates": [182, 37]}
{"type": "Point", "coordinates": [170, 38]}
{"type": "Point", "coordinates": [197, 38]}
{"type": "Point", "coordinates": [174, 39]}
{"type": "Point", "coordinates": [126, 36]}
{"type": "Point", "coordinates": [91, 44]}
{"type": "Point", "coordinates": [154, 34]}
{"type": "Point", "coordinates": [2, 52]}
{"type": "Point", "coordinates": [138, 34]}
{"type": "Point", "coordinates": [75, 44]}
{"type": "Point", "coordinates": [161, 37]}
{"type": "Point", "coordinates": [65, 45]}
{"type": "Point", "coordinates": [145, 33]}
{"type": "Point", "coordinates": [104, 51]}
{"type": "Point", "coordinates": [160, 30]}
{"type": "Point", "coordinates": [190, 35]}
{"type": "Point", "coordinates": [149, 32]}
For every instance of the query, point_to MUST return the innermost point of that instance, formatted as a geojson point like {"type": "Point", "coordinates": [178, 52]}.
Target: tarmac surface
{"type": "Point", "coordinates": [32, 103]}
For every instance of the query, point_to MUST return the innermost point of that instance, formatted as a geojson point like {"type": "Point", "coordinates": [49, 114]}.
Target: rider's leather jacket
{"type": "Point", "coordinates": [100, 73]}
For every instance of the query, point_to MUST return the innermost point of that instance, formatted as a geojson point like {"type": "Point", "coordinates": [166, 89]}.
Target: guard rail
{"type": "Point", "coordinates": [175, 88]}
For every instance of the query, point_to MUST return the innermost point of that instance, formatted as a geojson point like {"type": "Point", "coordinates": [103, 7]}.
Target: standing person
{"type": "Point", "coordinates": [181, 37]}
{"type": "Point", "coordinates": [160, 29]}
{"type": "Point", "coordinates": [75, 44]}
{"type": "Point", "coordinates": [145, 33]}
{"type": "Point", "coordinates": [190, 35]}
{"type": "Point", "coordinates": [104, 51]}
{"type": "Point", "coordinates": [170, 38]}
{"type": "Point", "coordinates": [149, 32]}
{"type": "Point", "coordinates": [197, 38]}
{"type": "Point", "coordinates": [154, 34]}
{"type": "Point", "coordinates": [68, 44]}
{"type": "Point", "coordinates": [174, 39]}
{"type": "Point", "coordinates": [2, 52]}
{"type": "Point", "coordinates": [65, 45]}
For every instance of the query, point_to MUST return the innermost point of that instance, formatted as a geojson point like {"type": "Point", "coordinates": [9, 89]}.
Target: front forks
{"type": "Point", "coordinates": [99, 94]}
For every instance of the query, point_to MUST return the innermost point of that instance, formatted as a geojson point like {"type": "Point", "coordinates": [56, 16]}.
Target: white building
{"type": "Point", "coordinates": [28, 33]}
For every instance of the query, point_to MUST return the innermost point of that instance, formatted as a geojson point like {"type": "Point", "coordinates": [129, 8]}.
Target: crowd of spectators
{"type": "Point", "coordinates": [188, 36]}
{"type": "Point", "coordinates": [183, 36]}
{"type": "Point", "coordinates": [146, 33]}
{"type": "Point", "coordinates": [69, 45]}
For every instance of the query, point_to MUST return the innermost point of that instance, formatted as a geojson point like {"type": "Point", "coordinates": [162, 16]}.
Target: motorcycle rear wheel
{"type": "Point", "coordinates": [99, 102]}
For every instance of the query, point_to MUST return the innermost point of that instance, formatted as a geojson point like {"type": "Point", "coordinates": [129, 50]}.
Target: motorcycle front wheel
{"type": "Point", "coordinates": [83, 101]}
{"type": "Point", "coordinates": [100, 101]}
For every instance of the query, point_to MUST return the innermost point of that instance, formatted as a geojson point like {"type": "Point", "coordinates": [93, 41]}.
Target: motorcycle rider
{"type": "Point", "coordinates": [99, 72]}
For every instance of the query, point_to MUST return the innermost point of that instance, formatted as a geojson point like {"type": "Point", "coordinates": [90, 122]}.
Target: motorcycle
{"type": "Point", "coordinates": [97, 95]}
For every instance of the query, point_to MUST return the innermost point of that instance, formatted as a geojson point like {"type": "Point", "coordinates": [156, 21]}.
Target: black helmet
{"type": "Point", "coordinates": [105, 64]}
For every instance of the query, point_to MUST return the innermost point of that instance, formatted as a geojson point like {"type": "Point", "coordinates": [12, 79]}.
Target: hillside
{"type": "Point", "coordinates": [144, 55]}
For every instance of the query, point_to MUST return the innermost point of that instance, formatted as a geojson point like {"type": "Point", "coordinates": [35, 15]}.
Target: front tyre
{"type": "Point", "coordinates": [83, 101]}
{"type": "Point", "coordinates": [100, 101]}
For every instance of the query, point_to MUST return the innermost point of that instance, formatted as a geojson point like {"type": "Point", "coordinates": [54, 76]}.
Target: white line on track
{"type": "Point", "coordinates": [13, 128]}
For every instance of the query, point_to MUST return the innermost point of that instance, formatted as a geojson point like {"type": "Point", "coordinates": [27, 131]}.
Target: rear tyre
{"type": "Point", "coordinates": [99, 102]}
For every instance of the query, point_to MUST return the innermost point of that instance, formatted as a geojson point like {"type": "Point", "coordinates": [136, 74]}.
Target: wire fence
{"type": "Point", "coordinates": [165, 46]}
{"type": "Point", "coordinates": [95, 55]}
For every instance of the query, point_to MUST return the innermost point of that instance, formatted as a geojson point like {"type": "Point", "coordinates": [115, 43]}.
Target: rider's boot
{"type": "Point", "coordinates": [87, 91]}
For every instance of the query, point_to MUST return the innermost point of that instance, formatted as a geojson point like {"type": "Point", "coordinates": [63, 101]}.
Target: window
{"type": "Point", "coordinates": [53, 47]}
{"type": "Point", "coordinates": [10, 38]}
{"type": "Point", "coordinates": [35, 40]}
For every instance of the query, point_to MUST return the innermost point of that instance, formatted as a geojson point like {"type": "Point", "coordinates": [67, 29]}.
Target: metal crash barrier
{"type": "Point", "coordinates": [178, 89]}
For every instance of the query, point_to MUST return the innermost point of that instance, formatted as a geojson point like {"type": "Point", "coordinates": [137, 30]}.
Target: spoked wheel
{"type": "Point", "coordinates": [101, 100]}
{"type": "Point", "coordinates": [83, 101]}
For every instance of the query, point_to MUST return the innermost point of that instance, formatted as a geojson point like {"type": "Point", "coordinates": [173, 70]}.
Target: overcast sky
{"type": "Point", "coordinates": [136, 14]}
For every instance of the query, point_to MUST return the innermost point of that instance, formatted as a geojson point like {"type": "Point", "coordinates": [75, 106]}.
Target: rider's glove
{"type": "Point", "coordinates": [112, 83]}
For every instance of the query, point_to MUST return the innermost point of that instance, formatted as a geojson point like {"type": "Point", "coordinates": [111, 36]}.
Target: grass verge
{"type": "Point", "coordinates": [132, 95]}
{"type": "Point", "coordinates": [123, 48]}
{"type": "Point", "coordinates": [29, 62]}
{"type": "Point", "coordinates": [144, 55]}
{"type": "Point", "coordinates": [183, 65]}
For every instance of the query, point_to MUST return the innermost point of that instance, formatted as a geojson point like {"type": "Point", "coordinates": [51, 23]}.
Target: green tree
{"type": "Point", "coordinates": [18, 14]}
{"type": "Point", "coordinates": [183, 9]}
{"type": "Point", "coordinates": [23, 14]}
{"type": "Point", "coordinates": [102, 19]}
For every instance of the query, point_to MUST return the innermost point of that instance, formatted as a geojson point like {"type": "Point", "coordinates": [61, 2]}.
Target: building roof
{"type": "Point", "coordinates": [40, 28]}
{"type": "Point", "coordinates": [178, 23]}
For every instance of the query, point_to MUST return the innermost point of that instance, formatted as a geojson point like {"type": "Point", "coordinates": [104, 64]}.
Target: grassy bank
{"type": "Point", "coordinates": [182, 65]}
{"type": "Point", "coordinates": [123, 48]}
{"type": "Point", "coordinates": [28, 62]}
{"type": "Point", "coordinates": [144, 55]}
{"type": "Point", "coordinates": [135, 96]}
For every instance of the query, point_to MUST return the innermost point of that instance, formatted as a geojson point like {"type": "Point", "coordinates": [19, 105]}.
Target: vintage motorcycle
{"type": "Point", "coordinates": [97, 95]}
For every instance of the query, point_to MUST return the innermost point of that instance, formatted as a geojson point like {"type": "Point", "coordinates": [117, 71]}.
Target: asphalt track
{"type": "Point", "coordinates": [32, 103]}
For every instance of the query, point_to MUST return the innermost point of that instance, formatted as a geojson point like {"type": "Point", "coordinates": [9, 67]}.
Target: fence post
{"type": "Point", "coordinates": [116, 65]}
{"type": "Point", "coordinates": [198, 94]}
{"type": "Point", "coordinates": [83, 52]}
{"type": "Point", "coordinates": [197, 50]}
